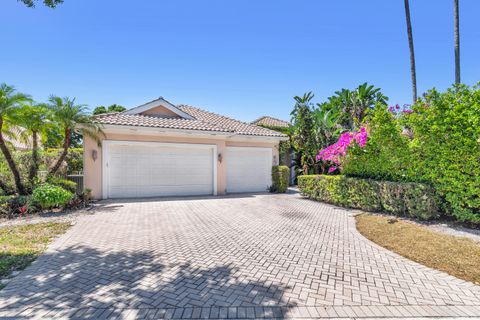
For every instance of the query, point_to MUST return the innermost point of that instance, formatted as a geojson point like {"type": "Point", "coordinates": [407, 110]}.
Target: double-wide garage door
{"type": "Point", "coordinates": [152, 169]}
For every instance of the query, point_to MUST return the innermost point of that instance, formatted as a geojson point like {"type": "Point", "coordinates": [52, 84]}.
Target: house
{"type": "Point", "coordinates": [162, 149]}
{"type": "Point", "coordinates": [271, 122]}
{"type": "Point", "coordinates": [282, 127]}
{"type": "Point", "coordinates": [18, 140]}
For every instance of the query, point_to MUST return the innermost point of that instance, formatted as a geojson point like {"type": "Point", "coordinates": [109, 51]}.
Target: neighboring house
{"type": "Point", "coordinates": [279, 126]}
{"type": "Point", "coordinates": [16, 139]}
{"type": "Point", "coordinates": [270, 122]}
{"type": "Point", "coordinates": [160, 149]}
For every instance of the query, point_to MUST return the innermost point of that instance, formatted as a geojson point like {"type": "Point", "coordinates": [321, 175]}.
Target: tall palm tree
{"type": "Point", "coordinates": [71, 118]}
{"type": "Point", "coordinates": [457, 41]}
{"type": "Point", "coordinates": [34, 119]}
{"type": "Point", "coordinates": [10, 102]}
{"type": "Point", "coordinates": [413, 71]}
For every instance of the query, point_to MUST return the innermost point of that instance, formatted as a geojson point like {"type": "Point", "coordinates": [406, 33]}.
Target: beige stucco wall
{"type": "Point", "coordinates": [93, 168]}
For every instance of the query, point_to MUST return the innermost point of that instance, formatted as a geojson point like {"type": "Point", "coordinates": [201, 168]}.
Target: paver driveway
{"type": "Point", "coordinates": [263, 256]}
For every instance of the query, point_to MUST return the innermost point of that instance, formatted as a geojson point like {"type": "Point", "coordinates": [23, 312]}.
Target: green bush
{"type": "Point", "coordinates": [399, 198]}
{"type": "Point", "coordinates": [11, 206]}
{"type": "Point", "coordinates": [280, 179]}
{"type": "Point", "coordinates": [64, 183]}
{"type": "Point", "coordinates": [74, 159]}
{"type": "Point", "coordinates": [437, 143]}
{"type": "Point", "coordinates": [49, 196]}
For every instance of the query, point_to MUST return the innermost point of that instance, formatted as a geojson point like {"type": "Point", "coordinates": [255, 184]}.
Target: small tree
{"type": "Point", "coordinates": [304, 139]}
{"type": "Point", "coordinates": [72, 118]}
{"type": "Point", "coordinates": [34, 119]}
{"type": "Point", "coordinates": [10, 102]}
{"type": "Point", "coordinates": [111, 108]}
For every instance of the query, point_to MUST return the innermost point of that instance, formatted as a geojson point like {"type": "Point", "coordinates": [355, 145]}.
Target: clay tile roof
{"type": "Point", "coordinates": [236, 126]}
{"type": "Point", "coordinates": [271, 122]}
{"type": "Point", "coordinates": [203, 121]}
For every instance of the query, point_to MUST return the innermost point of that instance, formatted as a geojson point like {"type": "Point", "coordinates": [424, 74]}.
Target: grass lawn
{"type": "Point", "coordinates": [459, 257]}
{"type": "Point", "coordinates": [20, 245]}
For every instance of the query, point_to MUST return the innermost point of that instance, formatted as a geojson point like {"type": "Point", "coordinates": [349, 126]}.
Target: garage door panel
{"type": "Point", "coordinates": [158, 169]}
{"type": "Point", "coordinates": [248, 169]}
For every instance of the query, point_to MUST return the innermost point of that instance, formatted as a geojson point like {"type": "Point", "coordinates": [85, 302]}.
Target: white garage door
{"type": "Point", "coordinates": [248, 169]}
{"type": "Point", "coordinates": [150, 169]}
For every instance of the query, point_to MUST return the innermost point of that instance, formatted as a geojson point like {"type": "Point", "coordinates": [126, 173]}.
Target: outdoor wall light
{"type": "Point", "coordinates": [220, 158]}
{"type": "Point", "coordinates": [275, 160]}
{"type": "Point", "coordinates": [94, 155]}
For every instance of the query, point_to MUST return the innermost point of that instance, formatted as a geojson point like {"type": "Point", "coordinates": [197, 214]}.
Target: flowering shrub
{"type": "Point", "coordinates": [437, 143]}
{"type": "Point", "coordinates": [337, 151]}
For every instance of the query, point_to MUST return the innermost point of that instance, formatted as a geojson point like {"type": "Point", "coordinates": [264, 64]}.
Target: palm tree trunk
{"type": "Point", "coordinates": [457, 41]}
{"type": "Point", "coordinates": [13, 167]}
{"type": "Point", "coordinates": [66, 145]}
{"type": "Point", "coordinates": [412, 52]}
{"type": "Point", "coordinates": [34, 166]}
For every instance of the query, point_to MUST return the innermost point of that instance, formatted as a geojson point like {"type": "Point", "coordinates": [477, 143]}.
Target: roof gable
{"type": "Point", "coordinates": [271, 122]}
{"type": "Point", "coordinates": [159, 106]}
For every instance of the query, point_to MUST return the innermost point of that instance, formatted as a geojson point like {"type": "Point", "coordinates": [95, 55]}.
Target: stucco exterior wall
{"type": "Point", "coordinates": [93, 168]}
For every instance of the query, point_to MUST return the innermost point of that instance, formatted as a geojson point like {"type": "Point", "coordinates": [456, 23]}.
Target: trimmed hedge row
{"type": "Point", "coordinates": [280, 179]}
{"type": "Point", "coordinates": [398, 198]}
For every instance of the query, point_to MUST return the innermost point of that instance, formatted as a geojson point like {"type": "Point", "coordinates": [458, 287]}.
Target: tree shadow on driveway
{"type": "Point", "coordinates": [82, 282]}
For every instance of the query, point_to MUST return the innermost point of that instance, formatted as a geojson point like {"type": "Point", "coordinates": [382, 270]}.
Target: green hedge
{"type": "Point", "coordinates": [399, 198]}
{"type": "Point", "coordinates": [437, 143]}
{"type": "Point", "coordinates": [280, 179]}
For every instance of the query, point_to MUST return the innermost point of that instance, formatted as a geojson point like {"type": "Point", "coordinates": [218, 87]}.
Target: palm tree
{"type": "Point", "coordinates": [34, 119]}
{"type": "Point", "coordinates": [10, 102]}
{"type": "Point", "coordinates": [363, 98]}
{"type": "Point", "coordinates": [413, 71]}
{"type": "Point", "coordinates": [71, 118]}
{"type": "Point", "coordinates": [457, 41]}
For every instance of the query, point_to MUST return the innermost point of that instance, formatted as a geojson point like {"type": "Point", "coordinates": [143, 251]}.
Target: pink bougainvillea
{"type": "Point", "coordinates": [335, 152]}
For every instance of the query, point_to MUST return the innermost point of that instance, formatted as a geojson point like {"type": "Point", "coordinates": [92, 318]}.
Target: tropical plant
{"type": "Point", "coordinates": [352, 106]}
{"type": "Point", "coordinates": [327, 128]}
{"type": "Point", "coordinates": [304, 139]}
{"type": "Point", "coordinates": [111, 108]}
{"type": "Point", "coordinates": [413, 71]}
{"type": "Point", "coordinates": [457, 40]}
{"type": "Point", "coordinates": [33, 118]}
{"type": "Point", "coordinates": [72, 118]}
{"type": "Point", "coordinates": [50, 196]}
{"type": "Point", "coordinates": [10, 102]}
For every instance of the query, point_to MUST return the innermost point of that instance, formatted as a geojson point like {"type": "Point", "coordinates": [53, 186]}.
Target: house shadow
{"type": "Point", "coordinates": [95, 283]}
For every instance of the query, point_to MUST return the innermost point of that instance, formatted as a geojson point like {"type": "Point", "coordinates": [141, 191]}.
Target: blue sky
{"type": "Point", "coordinates": [242, 58]}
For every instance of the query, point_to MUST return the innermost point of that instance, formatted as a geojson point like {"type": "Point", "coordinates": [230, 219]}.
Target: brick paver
{"type": "Point", "coordinates": [249, 256]}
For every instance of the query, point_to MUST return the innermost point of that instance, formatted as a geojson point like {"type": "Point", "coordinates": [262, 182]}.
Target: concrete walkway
{"type": "Point", "coordinates": [249, 256]}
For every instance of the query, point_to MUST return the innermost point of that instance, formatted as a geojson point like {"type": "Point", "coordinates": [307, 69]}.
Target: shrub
{"type": "Point", "coordinates": [385, 155]}
{"type": "Point", "coordinates": [280, 179]}
{"type": "Point", "coordinates": [64, 183]}
{"type": "Point", "coordinates": [406, 199]}
{"type": "Point", "coordinates": [11, 206]}
{"type": "Point", "coordinates": [446, 148]}
{"type": "Point", "coordinates": [49, 196]}
{"type": "Point", "coordinates": [436, 142]}
{"type": "Point", "coordinates": [73, 161]}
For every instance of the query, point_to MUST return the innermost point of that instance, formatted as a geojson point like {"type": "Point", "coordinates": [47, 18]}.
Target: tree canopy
{"type": "Point", "coordinates": [48, 3]}
{"type": "Point", "coordinates": [111, 108]}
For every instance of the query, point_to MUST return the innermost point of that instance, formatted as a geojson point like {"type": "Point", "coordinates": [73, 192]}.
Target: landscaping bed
{"type": "Point", "coordinates": [20, 245]}
{"type": "Point", "coordinates": [459, 257]}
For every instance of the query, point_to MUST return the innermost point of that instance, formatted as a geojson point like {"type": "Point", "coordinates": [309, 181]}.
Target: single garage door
{"type": "Point", "coordinates": [150, 169]}
{"type": "Point", "coordinates": [248, 169]}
